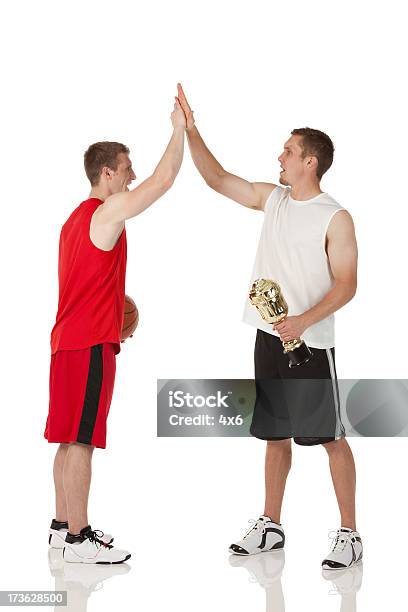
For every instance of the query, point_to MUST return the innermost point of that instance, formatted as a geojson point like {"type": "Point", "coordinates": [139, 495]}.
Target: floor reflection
{"type": "Point", "coordinates": [266, 569]}
{"type": "Point", "coordinates": [346, 583]}
{"type": "Point", "coordinates": [79, 579]}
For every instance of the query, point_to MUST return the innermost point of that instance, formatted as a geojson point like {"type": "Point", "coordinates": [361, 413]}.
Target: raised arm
{"type": "Point", "coordinates": [127, 204]}
{"type": "Point", "coordinates": [252, 195]}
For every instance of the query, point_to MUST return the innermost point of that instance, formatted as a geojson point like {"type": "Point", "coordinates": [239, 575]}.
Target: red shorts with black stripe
{"type": "Point", "coordinates": [81, 388]}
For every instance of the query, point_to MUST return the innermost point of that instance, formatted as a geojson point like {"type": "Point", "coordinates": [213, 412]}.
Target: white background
{"type": "Point", "coordinates": [77, 73]}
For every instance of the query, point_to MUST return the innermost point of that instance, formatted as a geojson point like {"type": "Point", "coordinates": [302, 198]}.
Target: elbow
{"type": "Point", "coordinates": [346, 290]}
{"type": "Point", "coordinates": [350, 291]}
{"type": "Point", "coordinates": [168, 182]}
{"type": "Point", "coordinates": [214, 181]}
{"type": "Point", "coordinates": [210, 181]}
{"type": "Point", "coordinates": [353, 288]}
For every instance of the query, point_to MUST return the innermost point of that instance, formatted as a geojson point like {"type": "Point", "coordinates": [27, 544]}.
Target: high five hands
{"type": "Point", "coordinates": [182, 100]}
{"type": "Point", "coordinates": [178, 117]}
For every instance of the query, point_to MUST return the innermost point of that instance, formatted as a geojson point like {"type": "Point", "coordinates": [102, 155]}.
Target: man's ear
{"type": "Point", "coordinates": [106, 172]}
{"type": "Point", "coordinates": [312, 162]}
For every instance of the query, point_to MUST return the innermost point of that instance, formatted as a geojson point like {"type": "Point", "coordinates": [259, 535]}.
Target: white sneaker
{"type": "Point", "coordinates": [87, 547]}
{"type": "Point", "coordinates": [58, 531]}
{"type": "Point", "coordinates": [264, 535]}
{"type": "Point", "coordinates": [347, 550]}
{"type": "Point", "coordinates": [80, 580]}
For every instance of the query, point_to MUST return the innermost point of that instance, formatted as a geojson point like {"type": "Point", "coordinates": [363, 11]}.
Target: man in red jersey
{"type": "Point", "coordinates": [86, 336]}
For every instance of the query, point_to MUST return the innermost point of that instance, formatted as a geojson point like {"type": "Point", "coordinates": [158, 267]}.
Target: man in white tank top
{"type": "Point", "coordinates": [308, 246]}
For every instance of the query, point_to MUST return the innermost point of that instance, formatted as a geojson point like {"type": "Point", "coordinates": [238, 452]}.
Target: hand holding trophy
{"type": "Point", "coordinates": [266, 296]}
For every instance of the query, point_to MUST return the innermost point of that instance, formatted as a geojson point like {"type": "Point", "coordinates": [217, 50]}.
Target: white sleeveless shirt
{"type": "Point", "coordinates": [291, 251]}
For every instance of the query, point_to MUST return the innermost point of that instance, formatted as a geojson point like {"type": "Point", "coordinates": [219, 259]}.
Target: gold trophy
{"type": "Point", "coordinates": [267, 297]}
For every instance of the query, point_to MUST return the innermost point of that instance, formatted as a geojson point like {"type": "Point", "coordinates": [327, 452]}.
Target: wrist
{"type": "Point", "coordinates": [306, 320]}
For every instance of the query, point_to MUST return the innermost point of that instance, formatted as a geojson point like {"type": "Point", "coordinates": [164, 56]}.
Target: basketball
{"type": "Point", "coordinates": [130, 319]}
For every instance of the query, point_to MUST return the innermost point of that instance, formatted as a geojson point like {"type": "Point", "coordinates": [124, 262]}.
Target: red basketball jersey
{"type": "Point", "coordinates": [91, 286]}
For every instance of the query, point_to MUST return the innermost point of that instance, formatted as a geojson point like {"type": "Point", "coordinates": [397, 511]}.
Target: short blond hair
{"type": "Point", "coordinates": [99, 155]}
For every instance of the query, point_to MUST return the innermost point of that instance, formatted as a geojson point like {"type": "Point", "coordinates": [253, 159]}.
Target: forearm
{"type": "Point", "coordinates": [338, 296]}
{"type": "Point", "coordinates": [205, 162]}
{"type": "Point", "coordinates": [169, 165]}
{"type": "Point", "coordinates": [125, 205]}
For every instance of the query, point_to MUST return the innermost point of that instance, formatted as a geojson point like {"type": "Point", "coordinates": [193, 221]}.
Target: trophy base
{"type": "Point", "coordinates": [300, 355]}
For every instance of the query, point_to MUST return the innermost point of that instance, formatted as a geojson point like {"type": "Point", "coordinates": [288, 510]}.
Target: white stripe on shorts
{"type": "Point", "coordinates": [340, 431]}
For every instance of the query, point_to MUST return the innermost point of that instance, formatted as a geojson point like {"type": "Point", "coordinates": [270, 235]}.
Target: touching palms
{"type": "Point", "coordinates": [185, 106]}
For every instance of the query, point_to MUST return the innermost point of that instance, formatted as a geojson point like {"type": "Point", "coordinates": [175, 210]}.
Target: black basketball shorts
{"type": "Point", "coordinates": [301, 402]}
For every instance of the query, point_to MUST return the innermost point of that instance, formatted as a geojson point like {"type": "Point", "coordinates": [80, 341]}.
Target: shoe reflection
{"type": "Point", "coordinates": [80, 580]}
{"type": "Point", "coordinates": [346, 583]}
{"type": "Point", "coordinates": [266, 569]}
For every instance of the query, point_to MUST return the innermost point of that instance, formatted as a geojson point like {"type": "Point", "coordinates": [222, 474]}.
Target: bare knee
{"type": "Point", "coordinates": [78, 447]}
{"type": "Point", "coordinates": [336, 446]}
{"type": "Point", "coordinates": [280, 447]}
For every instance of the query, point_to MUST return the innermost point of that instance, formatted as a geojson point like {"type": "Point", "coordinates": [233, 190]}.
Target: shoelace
{"type": "Point", "coordinates": [95, 537]}
{"type": "Point", "coordinates": [255, 525]}
{"type": "Point", "coordinates": [339, 539]}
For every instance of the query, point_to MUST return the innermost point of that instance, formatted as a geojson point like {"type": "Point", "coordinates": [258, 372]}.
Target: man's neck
{"type": "Point", "coordinates": [100, 193]}
{"type": "Point", "coordinates": [305, 191]}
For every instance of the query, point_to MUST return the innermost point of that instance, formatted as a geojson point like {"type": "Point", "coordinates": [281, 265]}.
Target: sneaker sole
{"type": "Point", "coordinates": [90, 562]}
{"type": "Point", "coordinates": [336, 569]}
{"type": "Point", "coordinates": [113, 562]}
{"type": "Point", "coordinates": [255, 553]}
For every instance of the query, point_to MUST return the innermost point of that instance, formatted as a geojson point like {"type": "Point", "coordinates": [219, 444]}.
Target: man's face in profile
{"type": "Point", "coordinates": [292, 162]}
{"type": "Point", "coordinates": [123, 175]}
